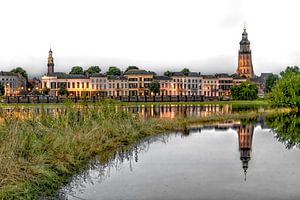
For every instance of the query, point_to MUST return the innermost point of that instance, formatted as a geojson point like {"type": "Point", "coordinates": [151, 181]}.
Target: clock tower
{"type": "Point", "coordinates": [245, 67]}
{"type": "Point", "coordinates": [50, 62]}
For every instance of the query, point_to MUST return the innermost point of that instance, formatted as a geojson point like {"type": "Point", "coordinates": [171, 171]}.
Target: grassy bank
{"type": "Point", "coordinates": [40, 153]}
{"type": "Point", "coordinates": [115, 102]}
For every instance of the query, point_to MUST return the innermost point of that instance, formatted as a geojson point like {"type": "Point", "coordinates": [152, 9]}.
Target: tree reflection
{"type": "Point", "coordinates": [286, 128]}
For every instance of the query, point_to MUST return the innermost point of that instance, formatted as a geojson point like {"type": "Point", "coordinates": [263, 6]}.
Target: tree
{"type": "Point", "coordinates": [113, 71]}
{"type": "Point", "coordinates": [21, 71]}
{"type": "Point", "coordinates": [46, 91]}
{"type": "Point", "coordinates": [152, 72]}
{"type": "Point", "coordinates": [167, 73]}
{"type": "Point", "coordinates": [185, 71]}
{"type": "Point", "coordinates": [76, 70]}
{"type": "Point", "coordinates": [270, 82]}
{"type": "Point", "coordinates": [154, 87]}
{"type": "Point", "coordinates": [286, 91]}
{"type": "Point", "coordinates": [287, 128]}
{"type": "Point", "coordinates": [62, 90]}
{"type": "Point", "coordinates": [131, 68]}
{"type": "Point", "coordinates": [2, 90]}
{"type": "Point", "coordinates": [244, 91]}
{"type": "Point", "coordinates": [93, 70]}
{"type": "Point", "coordinates": [289, 69]}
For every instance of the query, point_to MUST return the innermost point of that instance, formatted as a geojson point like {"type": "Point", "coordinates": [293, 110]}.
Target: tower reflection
{"type": "Point", "coordinates": [245, 136]}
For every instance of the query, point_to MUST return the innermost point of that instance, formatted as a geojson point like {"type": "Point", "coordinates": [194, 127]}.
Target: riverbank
{"type": "Point", "coordinates": [115, 102]}
{"type": "Point", "coordinates": [40, 153]}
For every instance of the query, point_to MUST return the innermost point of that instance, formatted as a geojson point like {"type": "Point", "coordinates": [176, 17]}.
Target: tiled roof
{"type": "Point", "coordinates": [97, 75]}
{"type": "Point", "coordinates": [162, 78]}
{"type": "Point", "coordinates": [110, 77]}
{"type": "Point", "coordinates": [2, 73]}
{"type": "Point", "coordinates": [134, 71]}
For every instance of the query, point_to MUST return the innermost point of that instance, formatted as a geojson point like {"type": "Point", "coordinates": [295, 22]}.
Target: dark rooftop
{"type": "Point", "coordinates": [162, 78]}
{"type": "Point", "coordinates": [111, 77]}
{"type": "Point", "coordinates": [135, 71]}
{"type": "Point", "coordinates": [61, 75]}
{"type": "Point", "coordinates": [2, 73]}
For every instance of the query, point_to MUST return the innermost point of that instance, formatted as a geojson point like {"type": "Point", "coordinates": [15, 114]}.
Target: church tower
{"type": "Point", "coordinates": [245, 136]}
{"type": "Point", "coordinates": [50, 62]}
{"type": "Point", "coordinates": [245, 67]}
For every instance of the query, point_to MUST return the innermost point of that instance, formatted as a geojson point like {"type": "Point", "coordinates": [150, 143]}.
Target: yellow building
{"type": "Point", "coordinates": [138, 82]}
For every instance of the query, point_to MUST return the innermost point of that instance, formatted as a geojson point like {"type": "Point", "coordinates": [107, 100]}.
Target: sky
{"type": "Point", "coordinates": [156, 35]}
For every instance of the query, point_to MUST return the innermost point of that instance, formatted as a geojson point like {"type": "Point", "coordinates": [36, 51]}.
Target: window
{"type": "Point", "coordinates": [73, 84]}
{"type": "Point", "coordinates": [87, 85]}
{"type": "Point", "coordinates": [78, 84]}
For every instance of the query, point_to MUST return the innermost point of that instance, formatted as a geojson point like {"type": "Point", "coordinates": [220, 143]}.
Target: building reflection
{"type": "Point", "coordinates": [245, 136]}
{"type": "Point", "coordinates": [173, 111]}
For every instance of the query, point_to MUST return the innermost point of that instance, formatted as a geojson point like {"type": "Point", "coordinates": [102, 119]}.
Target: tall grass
{"type": "Point", "coordinates": [40, 152]}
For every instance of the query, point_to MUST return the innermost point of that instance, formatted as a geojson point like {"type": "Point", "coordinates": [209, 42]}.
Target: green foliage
{"type": "Point", "coordinates": [290, 69]}
{"type": "Point", "coordinates": [114, 71]}
{"type": "Point", "coordinates": [46, 91]}
{"type": "Point", "coordinates": [93, 70]}
{"type": "Point", "coordinates": [154, 87]}
{"type": "Point", "coordinates": [62, 90]}
{"type": "Point", "coordinates": [76, 70]}
{"type": "Point", "coordinates": [131, 68]}
{"type": "Point", "coordinates": [286, 91]}
{"type": "Point", "coordinates": [167, 73]}
{"type": "Point", "coordinates": [185, 71]}
{"type": "Point", "coordinates": [20, 70]}
{"type": "Point", "coordinates": [244, 91]}
{"type": "Point", "coordinates": [286, 128]}
{"type": "Point", "coordinates": [270, 82]}
{"type": "Point", "coordinates": [2, 90]}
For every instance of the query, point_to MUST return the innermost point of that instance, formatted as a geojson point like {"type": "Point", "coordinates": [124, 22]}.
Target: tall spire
{"type": "Point", "coordinates": [50, 64]}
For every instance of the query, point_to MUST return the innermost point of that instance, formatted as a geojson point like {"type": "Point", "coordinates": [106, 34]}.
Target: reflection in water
{"type": "Point", "coordinates": [182, 110]}
{"type": "Point", "coordinates": [245, 135]}
{"type": "Point", "coordinates": [161, 111]}
{"type": "Point", "coordinates": [100, 172]}
{"type": "Point", "coordinates": [286, 128]}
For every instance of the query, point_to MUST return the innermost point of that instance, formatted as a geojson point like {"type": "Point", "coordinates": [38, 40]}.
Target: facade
{"type": "Point", "coordinates": [165, 85]}
{"type": "Point", "coordinates": [117, 86]}
{"type": "Point", "coordinates": [225, 83]}
{"type": "Point", "coordinates": [210, 86]}
{"type": "Point", "coordinates": [138, 82]}
{"type": "Point", "coordinates": [99, 85]}
{"type": "Point", "coordinates": [186, 84]}
{"type": "Point", "coordinates": [13, 83]}
{"type": "Point", "coordinates": [245, 67]}
{"type": "Point", "coordinates": [76, 85]}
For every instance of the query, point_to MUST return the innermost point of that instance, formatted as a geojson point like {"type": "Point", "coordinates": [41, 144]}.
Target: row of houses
{"type": "Point", "coordinates": [137, 83]}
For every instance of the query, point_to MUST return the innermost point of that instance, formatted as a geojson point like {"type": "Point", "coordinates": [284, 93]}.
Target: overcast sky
{"type": "Point", "coordinates": [156, 35]}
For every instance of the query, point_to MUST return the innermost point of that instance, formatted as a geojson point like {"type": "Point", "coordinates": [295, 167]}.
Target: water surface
{"type": "Point", "coordinates": [231, 160]}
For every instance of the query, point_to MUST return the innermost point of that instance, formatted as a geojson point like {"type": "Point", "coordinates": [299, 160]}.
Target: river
{"type": "Point", "coordinates": [232, 160]}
